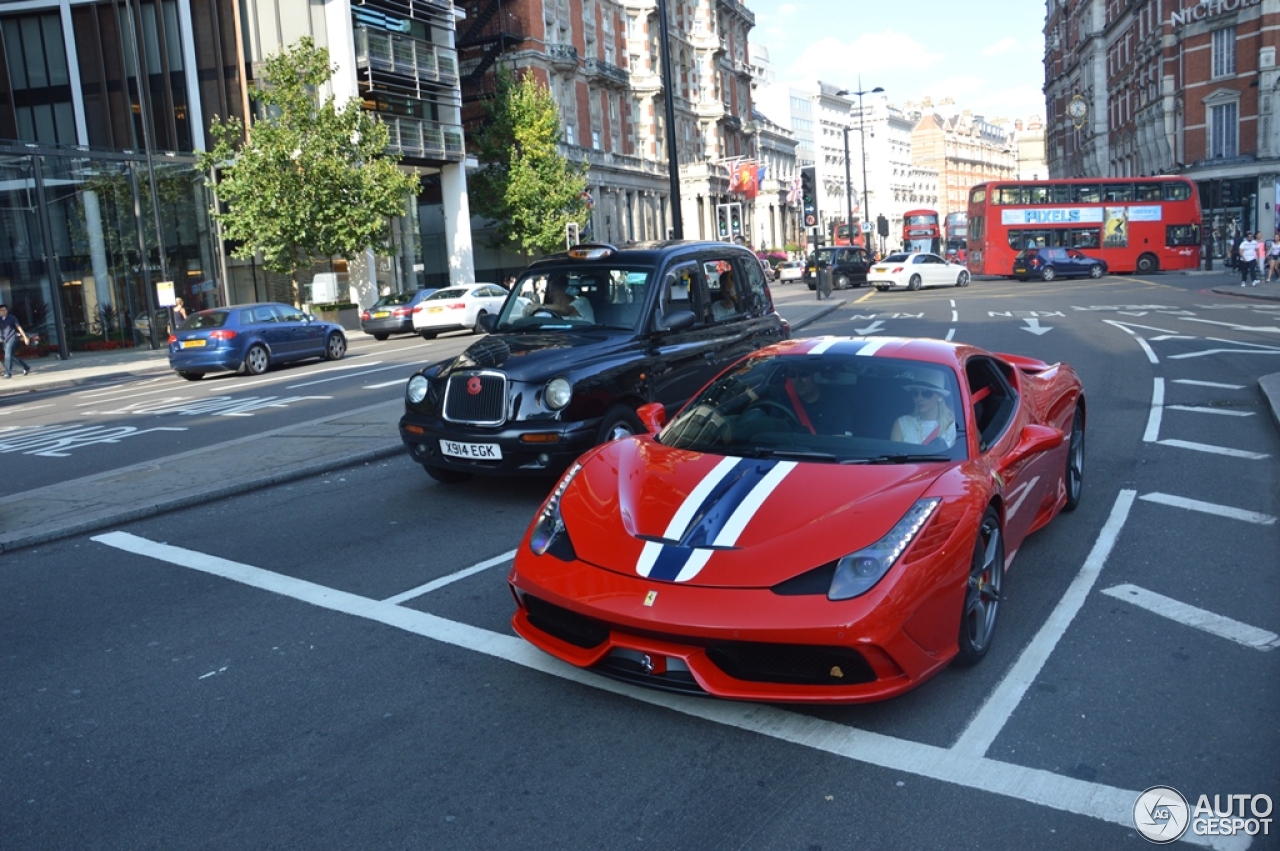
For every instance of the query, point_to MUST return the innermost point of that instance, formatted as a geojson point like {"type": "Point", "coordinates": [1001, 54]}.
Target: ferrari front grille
{"type": "Point", "coordinates": [476, 398]}
{"type": "Point", "coordinates": [565, 625]}
{"type": "Point", "coordinates": [795, 664]}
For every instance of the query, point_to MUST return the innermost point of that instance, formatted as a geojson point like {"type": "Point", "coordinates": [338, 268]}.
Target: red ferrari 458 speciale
{"type": "Point", "coordinates": [829, 520]}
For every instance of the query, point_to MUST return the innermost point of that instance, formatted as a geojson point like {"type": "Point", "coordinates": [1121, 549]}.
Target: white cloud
{"type": "Point", "coordinates": [1003, 46]}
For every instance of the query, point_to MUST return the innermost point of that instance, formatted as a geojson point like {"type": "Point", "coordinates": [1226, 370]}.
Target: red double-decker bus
{"type": "Point", "coordinates": [1136, 224]}
{"type": "Point", "coordinates": [840, 234]}
{"type": "Point", "coordinates": [920, 231]}
{"type": "Point", "coordinates": [957, 236]}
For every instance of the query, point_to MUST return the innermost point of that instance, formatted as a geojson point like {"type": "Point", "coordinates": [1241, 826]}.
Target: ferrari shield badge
{"type": "Point", "coordinates": [650, 597]}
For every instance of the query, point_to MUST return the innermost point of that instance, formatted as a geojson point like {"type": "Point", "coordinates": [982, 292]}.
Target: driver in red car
{"type": "Point", "coordinates": [931, 419]}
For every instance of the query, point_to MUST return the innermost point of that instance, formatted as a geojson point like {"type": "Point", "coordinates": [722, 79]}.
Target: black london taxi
{"type": "Point", "coordinates": [585, 338]}
{"type": "Point", "coordinates": [849, 266]}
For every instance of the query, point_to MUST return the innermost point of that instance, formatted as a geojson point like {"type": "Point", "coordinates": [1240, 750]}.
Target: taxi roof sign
{"type": "Point", "coordinates": [590, 251]}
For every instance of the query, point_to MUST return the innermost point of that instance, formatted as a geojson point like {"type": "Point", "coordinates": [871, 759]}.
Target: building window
{"type": "Point", "coordinates": [1224, 52]}
{"type": "Point", "coordinates": [1223, 130]}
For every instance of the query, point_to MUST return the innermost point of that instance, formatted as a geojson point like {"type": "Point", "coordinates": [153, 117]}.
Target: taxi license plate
{"type": "Point", "coordinates": [192, 344]}
{"type": "Point", "coordinates": [381, 314]}
{"type": "Point", "coordinates": [473, 451]}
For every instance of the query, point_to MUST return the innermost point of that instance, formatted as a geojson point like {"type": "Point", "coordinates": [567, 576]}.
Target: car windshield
{"type": "Point", "coordinates": [206, 319]}
{"type": "Point", "coordinates": [575, 296]}
{"type": "Point", "coordinates": [822, 257]}
{"type": "Point", "coordinates": [837, 409]}
{"type": "Point", "coordinates": [394, 300]}
{"type": "Point", "coordinates": [452, 292]}
{"type": "Point", "coordinates": [900, 257]}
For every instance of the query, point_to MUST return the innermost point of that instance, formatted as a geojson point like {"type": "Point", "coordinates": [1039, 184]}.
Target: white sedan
{"type": "Point", "coordinates": [914, 271]}
{"type": "Point", "coordinates": [457, 309]}
{"type": "Point", "coordinates": [792, 270]}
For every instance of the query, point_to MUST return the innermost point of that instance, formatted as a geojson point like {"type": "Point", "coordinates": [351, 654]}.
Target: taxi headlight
{"type": "Point", "coordinates": [558, 393]}
{"type": "Point", "coordinates": [417, 389]}
{"type": "Point", "coordinates": [857, 572]}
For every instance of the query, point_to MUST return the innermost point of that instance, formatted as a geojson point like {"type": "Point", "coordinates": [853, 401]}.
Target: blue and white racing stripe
{"type": "Point", "coordinates": [711, 517]}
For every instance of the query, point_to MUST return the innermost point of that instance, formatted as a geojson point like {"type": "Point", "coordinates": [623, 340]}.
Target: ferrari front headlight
{"type": "Point", "coordinates": [857, 572]}
{"type": "Point", "coordinates": [550, 524]}
{"type": "Point", "coordinates": [417, 389]}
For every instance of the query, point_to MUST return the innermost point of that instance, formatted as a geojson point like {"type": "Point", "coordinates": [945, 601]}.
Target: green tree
{"type": "Point", "coordinates": [524, 185]}
{"type": "Point", "coordinates": [312, 179]}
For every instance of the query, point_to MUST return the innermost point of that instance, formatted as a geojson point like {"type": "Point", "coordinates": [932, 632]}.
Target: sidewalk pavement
{"type": "Point", "coordinates": [108, 499]}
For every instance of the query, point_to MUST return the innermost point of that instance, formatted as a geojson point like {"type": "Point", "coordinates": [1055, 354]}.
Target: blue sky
{"type": "Point", "coordinates": [987, 56]}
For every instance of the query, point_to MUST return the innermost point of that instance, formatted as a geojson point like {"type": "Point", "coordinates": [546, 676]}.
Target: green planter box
{"type": "Point", "coordinates": [346, 315]}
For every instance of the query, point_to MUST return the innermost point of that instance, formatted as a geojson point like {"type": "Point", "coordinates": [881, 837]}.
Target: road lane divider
{"type": "Point", "coordinates": [1196, 617]}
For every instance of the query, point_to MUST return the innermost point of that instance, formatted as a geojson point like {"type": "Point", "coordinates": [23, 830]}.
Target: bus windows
{"type": "Point", "coordinates": [1182, 235]}
{"type": "Point", "coordinates": [978, 195]}
{"type": "Point", "coordinates": [1149, 192]}
{"type": "Point", "coordinates": [1006, 195]}
{"type": "Point", "coordinates": [1117, 192]}
{"type": "Point", "coordinates": [1063, 193]}
{"type": "Point", "coordinates": [1088, 193]}
{"type": "Point", "coordinates": [1177, 191]}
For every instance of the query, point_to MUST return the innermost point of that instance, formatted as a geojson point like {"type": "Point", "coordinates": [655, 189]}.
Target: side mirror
{"type": "Point", "coordinates": [678, 320]}
{"type": "Point", "coordinates": [653, 416]}
{"type": "Point", "coordinates": [1033, 440]}
{"type": "Point", "coordinates": [488, 322]}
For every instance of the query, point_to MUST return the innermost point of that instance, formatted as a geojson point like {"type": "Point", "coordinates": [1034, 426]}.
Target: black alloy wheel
{"type": "Point", "coordinates": [982, 592]}
{"type": "Point", "coordinates": [1075, 461]}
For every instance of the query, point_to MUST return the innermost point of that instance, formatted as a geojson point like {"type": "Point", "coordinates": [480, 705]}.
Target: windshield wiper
{"type": "Point", "coordinates": [898, 459]}
{"type": "Point", "coordinates": [798, 454]}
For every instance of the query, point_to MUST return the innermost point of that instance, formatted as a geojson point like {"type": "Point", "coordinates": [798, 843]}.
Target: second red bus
{"type": "Point", "coordinates": [957, 235]}
{"type": "Point", "coordinates": [920, 231]}
{"type": "Point", "coordinates": [1135, 224]}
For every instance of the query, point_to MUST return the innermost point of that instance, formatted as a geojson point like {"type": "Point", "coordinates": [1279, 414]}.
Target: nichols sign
{"type": "Point", "coordinates": [1207, 9]}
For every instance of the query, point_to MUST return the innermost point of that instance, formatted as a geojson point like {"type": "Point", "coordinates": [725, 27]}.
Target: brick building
{"type": "Point", "coordinates": [965, 150]}
{"type": "Point", "coordinates": [1170, 87]}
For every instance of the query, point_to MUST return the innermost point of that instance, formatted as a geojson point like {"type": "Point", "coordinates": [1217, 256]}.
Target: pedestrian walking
{"type": "Point", "coordinates": [1250, 248]}
{"type": "Point", "coordinates": [179, 312]}
{"type": "Point", "coordinates": [10, 331]}
{"type": "Point", "coordinates": [1273, 259]}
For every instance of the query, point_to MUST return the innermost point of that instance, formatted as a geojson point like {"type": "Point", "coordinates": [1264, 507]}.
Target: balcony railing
{"type": "Point", "coordinates": [405, 57]}
{"type": "Point", "coordinates": [564, 57]}
{"type": "Point", "coordinates": [425, 140]}
{"type": "Point", "coordinates": [608, 159]}
{"type": "Point", "coordinates": [611, 73]}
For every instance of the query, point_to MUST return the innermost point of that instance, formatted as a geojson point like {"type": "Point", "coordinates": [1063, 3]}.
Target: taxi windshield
{"type": "Point", "coordinates": [575, 297]}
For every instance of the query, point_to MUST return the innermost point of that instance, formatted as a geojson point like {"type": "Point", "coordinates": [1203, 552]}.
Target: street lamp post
{"type": "Point", "coordinates": [862, 136]}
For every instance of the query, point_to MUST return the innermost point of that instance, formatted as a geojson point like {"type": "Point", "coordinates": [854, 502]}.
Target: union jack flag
{"type": "Point", "coordinates": [793, 196]}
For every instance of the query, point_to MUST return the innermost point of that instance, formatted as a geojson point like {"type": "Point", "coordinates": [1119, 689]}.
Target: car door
{"type": "Point", "coordinates": [307, 337]}
{"type": "Point", "coordinates": [264, 320]}
{"type": "Point", "coordinates": [938, 271]}
{"type": "Point", "coordinates": [1079, 263]}
{"type": "Point", "coordinates": [681, 360]}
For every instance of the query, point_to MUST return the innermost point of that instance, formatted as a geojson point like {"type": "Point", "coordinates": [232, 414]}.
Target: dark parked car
{"type": "Point", "coordinates": [250, 338]}
{"type": "Point", "coordinates": [849, 266]}
{"type": "Point", "coordinates": [1050, 263]}
{"type": "Point", "coordinates": [392, 314]}
{"type": "Point", "coordinates": [585, 339]}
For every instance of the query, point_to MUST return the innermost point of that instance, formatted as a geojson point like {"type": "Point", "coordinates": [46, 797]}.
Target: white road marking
{"type": "Point", "coordinates": [1034, 326]}
{"type": "Point", "coordinates": [870, 329]}
{"type": "Point", "coordinates": [1162, 337]}
{"type": "Point", "coordinates": [1210, 508]}
{"type": "Point", "coordinates": [955, 316]}
{"type": "Point", "coordinates": [1152, 433]}
{"type": "Point", "coordinates": [1036, 786]}
{"type": "Point", "coordinates": [1253, 349]}
{"type": "Point", "coordinates": [994, 714]}
{"type": "Point", "coordinates": [1193, 616]}
{"type": "Point", "coordinates": [22, 409]}
{"type": "Point", "coordinates": [1202, 409]}
{"type": "Point", "coordinates": [350, 375]}
{"type": "Point", "coordinates": [1268, 328]}
{"type": "Point", "coordinates": [386, 384]}
{"type": "Point", "coordinates": [1127, 325]}
{"type": "Point", "coordinates": [1214, 450]}
{"type": "Point", "coordinates": [435, 584]}
{"type": "Point", "coordinates": [1208, 384]}
{"type": "Point", "coordinates": [951, 332]}
{"type": "Point", "coordinates": [1146, 347]}
{"type": "Point", "coordinates": [251, 383]}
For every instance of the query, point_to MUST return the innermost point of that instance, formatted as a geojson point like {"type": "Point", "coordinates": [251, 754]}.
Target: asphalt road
{"type": "Point", "coordinates": [328, 663]}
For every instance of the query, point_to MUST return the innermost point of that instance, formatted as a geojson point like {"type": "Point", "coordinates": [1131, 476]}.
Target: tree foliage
{"type": "Point", "coordinates": [523, 184]}
{"type": "Point", "coordinates": [312, 179]}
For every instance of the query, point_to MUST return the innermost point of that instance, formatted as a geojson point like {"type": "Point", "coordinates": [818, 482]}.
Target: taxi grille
{"type": "Point", "coordinates": [486, 407]}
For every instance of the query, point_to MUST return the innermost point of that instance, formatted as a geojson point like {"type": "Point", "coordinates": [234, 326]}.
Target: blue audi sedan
{"type": "Point", "coordinates": [251, 338]}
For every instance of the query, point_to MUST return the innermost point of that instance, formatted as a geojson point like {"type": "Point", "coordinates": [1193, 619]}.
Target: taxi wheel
{"type": "Point", "coordinates": [256, 360]}
{"type": "Point", "coordinates": [982, 592]}
{"type": "Point", "coordinates": [446, 477]}
{"type": "Point", "coordinates": [842, 282]}
{"type": "Point", "coordinates": [619, 421]}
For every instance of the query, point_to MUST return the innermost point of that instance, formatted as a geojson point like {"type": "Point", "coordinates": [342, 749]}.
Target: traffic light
{"type": "Point", "coordinates": [882, 226]}
{"type": "Point", "coordinates": [809, 195]}
{"type": "Point", "coordinates": [722, 221]}
{"type": "Point", "coordinates": [735, 214]}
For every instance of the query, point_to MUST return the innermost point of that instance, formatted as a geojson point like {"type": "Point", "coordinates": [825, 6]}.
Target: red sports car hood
{"type": "Point", "coordinates": [638, 507]}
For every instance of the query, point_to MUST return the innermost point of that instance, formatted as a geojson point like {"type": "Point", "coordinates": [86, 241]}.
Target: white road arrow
{"type": "Point", "coordinates": [1034, 326]}
{"type": "Point", "coordinates": [870, 329]}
